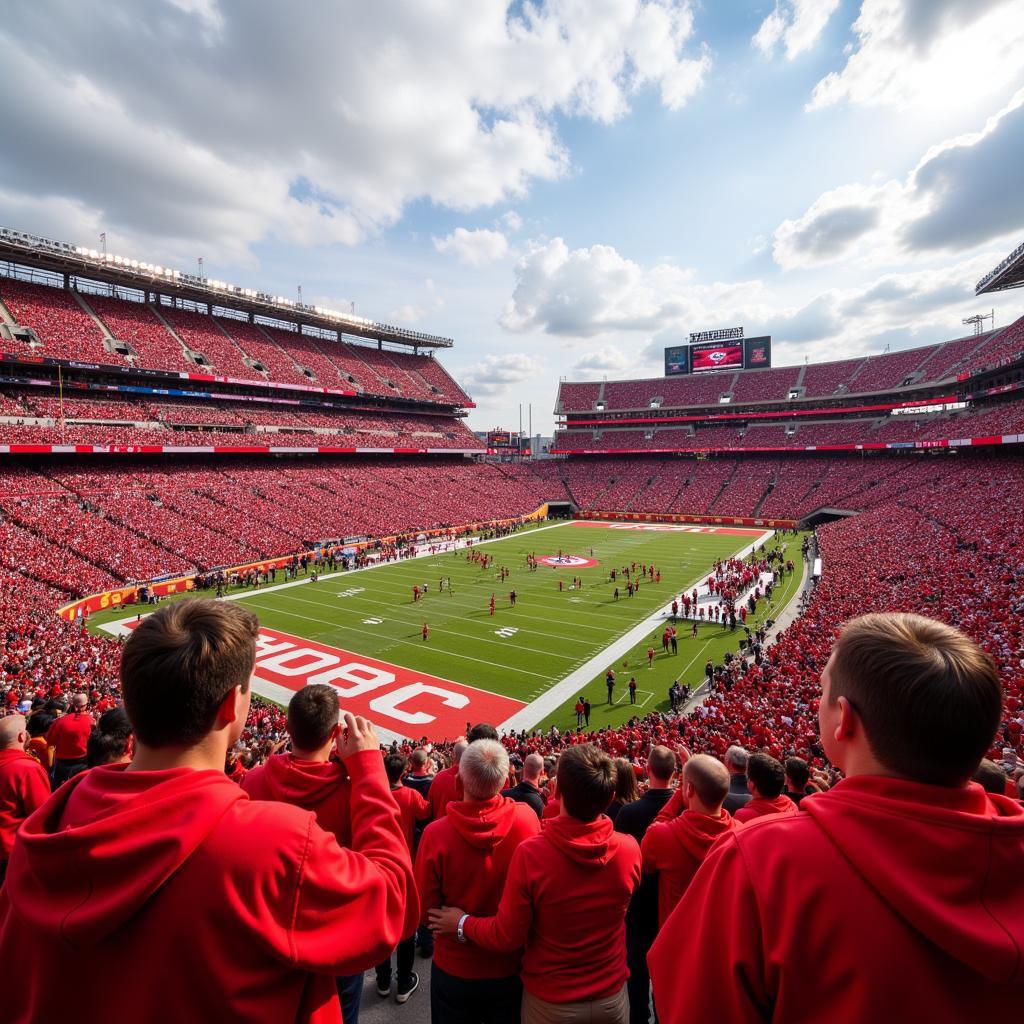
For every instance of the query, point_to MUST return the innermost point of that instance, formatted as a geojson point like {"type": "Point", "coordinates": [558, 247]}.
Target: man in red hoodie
{"type": "Point", "coordinates": [766, 779]}
{"type": "Point", "coordinates": [675, 849]}
{"type": "Point", "coordinates": [463, 859]}
{"type": "Point", "coordinates": [565, 902]}
{"type": "Point", "coordinates": [905, 876]}
{"type": "Point", "coordinates": [412, 810]}
{"type": "Point", "coordinates": [24, 784]}
{"type": "Point", "coordinates": [309, 778]}
{"type": "Point", "coordinates": [164, 875]}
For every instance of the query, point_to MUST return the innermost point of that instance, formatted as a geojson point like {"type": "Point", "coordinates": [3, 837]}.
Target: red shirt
{"type": "Point", "coordinates": [24, 786]}
{"type": "Point", "coordinates": [411, 808]}
{"type": "Point", "coordinates": [69, 735]}
{"type": "Point", "coordinates": [248, 907]}
{"type": "Point", "coordinates": [463, 861]}
{"type": "Point", "coordinates": [565, 902]}
{"type": "Point", "coordinates": [446, 786]}
{"type": "Point", "coordinates": [676, 848]}
{"type": "Point", "coordinates": [916, 887]}
{"type": "Point", "coordinates": [760, 806]}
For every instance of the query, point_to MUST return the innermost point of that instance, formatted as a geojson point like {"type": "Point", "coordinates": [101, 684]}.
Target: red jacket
{"type": "Point", "coordinates": [760, 806]}
{"type": "Point", "coordinates": [447, 786]}
{"type": "Point", "coordinates": [565, 901]}
{"type": "Point", "coordinates": [462, 861]}
{"type": "Point", "coordinates": [322, 787]}
{"type": "Point", "coordinates": [69, 735]}
{"type": "Point", "coordinates": [676, 848]}
{"type": "Point", "coordinates": [24, 786]}
{"type": "Point", "coordinates": [909, 897]}
{"type": "Point", "coordinates": [411, 808]}
{"type": "Point", "coordinates": [170, 893]}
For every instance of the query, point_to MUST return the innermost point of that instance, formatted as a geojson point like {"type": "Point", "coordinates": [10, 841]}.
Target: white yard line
{"type": "Point", "coordinates": [575, 681]}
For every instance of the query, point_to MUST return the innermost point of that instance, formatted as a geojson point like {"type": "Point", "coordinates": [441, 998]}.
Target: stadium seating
{"type": "Point", "coordinates": [889, 369]}
{"type": "Point", "coordinates": [134, 323]}
{"type": "Point", "coordinates": [765, 385]}
{"type": "Point", "coordinates": [257, 347]}
{"type": "Point", "coordinates": [64, 328]}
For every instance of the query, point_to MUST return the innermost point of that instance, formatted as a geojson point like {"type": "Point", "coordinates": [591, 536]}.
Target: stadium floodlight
{"type": "Point", "coordinates": [134, 264]}
{"type": "Point", "coordinates": [108, 257]}
{"type": "Point", "coordinates": [158, 270]}
{"type": "Point", "coordinates": [93, 254]}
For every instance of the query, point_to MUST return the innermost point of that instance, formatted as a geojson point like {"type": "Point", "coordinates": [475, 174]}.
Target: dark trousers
{"type": "Point", "coordinates": [638, 942]}
{"type": "Point", "coordinates": [425, 940]}
{"type": "Point", "coordinates": [63, 770]}
{"type": "Point", "coordinates": [350, 995]}
{"type": "Point", "coordinates": [406, 954]}
{"type": "Point", "coordinates": [474, 1000]}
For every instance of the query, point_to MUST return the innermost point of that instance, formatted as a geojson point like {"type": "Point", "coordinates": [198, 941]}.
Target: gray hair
{"type": "Point", "coordinates": [737, 757]}
{"type": "Point", "coordinates": [483, 769]}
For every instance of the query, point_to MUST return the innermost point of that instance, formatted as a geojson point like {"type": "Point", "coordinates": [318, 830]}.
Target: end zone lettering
{"type": "Point", "coordinates": [403, 700]}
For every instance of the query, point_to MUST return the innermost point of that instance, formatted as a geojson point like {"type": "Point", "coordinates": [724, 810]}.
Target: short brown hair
{"type": "Point", "coordinates": [586, 781]}
{"type": "Point", "coordinates": [180, 663]}
{"type": "Point", "coordinates": [661, 763]}
{"type": "Point", "coordinates": [928, 696]}
{"type": "Point", "coordinates": [312, 714]}
{"type": "Point", "coordinates": [766, 774]}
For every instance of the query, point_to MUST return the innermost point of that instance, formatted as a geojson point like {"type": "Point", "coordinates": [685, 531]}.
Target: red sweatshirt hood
{"type": "Point", "coordinates": [484, 823]}
{"type": "Point", "coordinates": [302, 783]}
{"type": "Point", "coordinates": [585, 842]}
{"type": "Point", "coordinates": [947, 861]}
{"type": "Point", "coordinates": [695, 832]}
{"type": "Point", "coordinates": [106, 841]}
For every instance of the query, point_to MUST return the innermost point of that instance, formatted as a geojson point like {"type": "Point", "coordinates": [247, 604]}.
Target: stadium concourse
{"type": "Point", "coordinates": [173, 428]}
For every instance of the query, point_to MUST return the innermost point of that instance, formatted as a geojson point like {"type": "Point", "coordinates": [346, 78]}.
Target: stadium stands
{"type": "Point", "coordinates": [153, 346]}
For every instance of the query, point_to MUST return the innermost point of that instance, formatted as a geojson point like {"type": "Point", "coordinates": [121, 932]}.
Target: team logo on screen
{"type": "Point", "coordinates": [568, 561]}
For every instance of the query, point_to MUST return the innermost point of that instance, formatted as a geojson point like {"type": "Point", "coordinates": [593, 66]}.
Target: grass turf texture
{"type": "Point", "coordinates": [546, 636]}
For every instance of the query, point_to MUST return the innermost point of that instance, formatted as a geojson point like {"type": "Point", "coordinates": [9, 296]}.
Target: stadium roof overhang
{"type": "Point", "coordinates": [64, 258]}
{"type": "Point", "coordinates": [1008, 274]}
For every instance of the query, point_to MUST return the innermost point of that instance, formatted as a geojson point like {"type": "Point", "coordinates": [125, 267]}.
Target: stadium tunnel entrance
{"type": "Point", "coordinates": [825, 515]}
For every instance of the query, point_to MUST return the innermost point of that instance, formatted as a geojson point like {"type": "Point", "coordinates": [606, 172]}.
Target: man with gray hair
{"type": "Point", "coordinates": [462, 861]}
{"type": "Point", "coordinates": [68, 737]}
{"type": "Point", "coordinates": [528, 791]}
{"type": "Point", "coordinates": [24, 785]}
{"type": "Point", "coordinates": [739, 793]}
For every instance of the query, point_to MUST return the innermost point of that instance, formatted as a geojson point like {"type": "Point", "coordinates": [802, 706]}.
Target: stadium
{"type": "Point", "coordinates": [677, 576]}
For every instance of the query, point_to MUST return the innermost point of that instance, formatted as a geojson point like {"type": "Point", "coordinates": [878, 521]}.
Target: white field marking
{"type": "Point", "coordinates": [438, 629]}
{"type": "Point", "coordinates": [643, 703]}
{"type": "Point", "coordinates": [372, 622]}
{"type": "Point", "coordinates": [554, 698]}
{"type": "Point", "coordinates": [696, 657]}
{"type": "Point", "coordinates": [417, 644]}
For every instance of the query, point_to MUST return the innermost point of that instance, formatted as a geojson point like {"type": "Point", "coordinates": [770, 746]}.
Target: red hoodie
{"type": "Point", "coordinates": [676, 848]}
{"type": "Point", "coordinates": [565, 900]}
{"type": "Point", "coordinates": [322, 787]}
{"type": "Point", "coordinates": [762, 805]}
{"type": "Point", "coordinates": [171, 895]}
{"type": "Point", "coordinates": [462, 861]}
{"type": "Point", "coordinates": [411, 808]}
{"type": "Point", "coordinates": [24, 786]}
{"type": "Point", "coordinates": [447, 786]}
{"type": "Point", "coordinates": [909, 897]}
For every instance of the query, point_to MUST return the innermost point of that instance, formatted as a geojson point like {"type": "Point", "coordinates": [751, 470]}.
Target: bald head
{"type": "Point", "coordinates": [13, 735]}
{"type": "Point", "coordinates": [459, 749]}
{"type": "Point", "coordinates": [710, 781]}
{"type": "Point", "coordinates": [79, 702]}
{"type": "Point", "coordinates": [533, 766]}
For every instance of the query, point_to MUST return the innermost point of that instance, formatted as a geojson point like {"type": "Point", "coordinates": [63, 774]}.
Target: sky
{"type": "Point", "coordinates": [564, 188]}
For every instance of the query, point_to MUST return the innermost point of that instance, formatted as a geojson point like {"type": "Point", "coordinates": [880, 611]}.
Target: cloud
{"type": "Point", "coordinates": [963, 193]}
{"type": "Point", "coordinates": [796, 24]}
{"type": "Point", "coordinates": [937, 53]}
{"type": "Point", "coordinates": [601, 361]}
{"type": "Point", "coordinates": [495, 374]}
{"type": "Point", "coordinates": [474, 248]}
{"type": "Point", "coordinates": [574, 295]}
{"type": "Point", "coordinates": [267, 126]}
{"type": "Point", "coordinates": [512, 221]}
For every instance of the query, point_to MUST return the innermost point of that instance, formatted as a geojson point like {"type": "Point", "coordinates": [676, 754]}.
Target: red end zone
{"type": "Point", "coordinates": [403, 700]}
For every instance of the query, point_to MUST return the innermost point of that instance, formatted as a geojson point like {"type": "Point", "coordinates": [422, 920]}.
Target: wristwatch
{"type": "Point", "coordinates": [459, 932]}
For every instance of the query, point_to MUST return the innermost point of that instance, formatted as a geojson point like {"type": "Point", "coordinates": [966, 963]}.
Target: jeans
{"type": "Point", "coordinates": [474, 1000]}
{"type": "Point", "coordinates": [350, 995]}
{"type": "Point", "coordinates": [406, 951]}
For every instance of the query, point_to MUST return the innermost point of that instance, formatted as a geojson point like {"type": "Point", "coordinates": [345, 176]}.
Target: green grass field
{"type": "Point", "coordinates": [522, 652]}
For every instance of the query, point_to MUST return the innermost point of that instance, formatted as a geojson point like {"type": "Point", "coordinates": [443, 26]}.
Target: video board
{"type": "Point", "coordinates": [712, 356]}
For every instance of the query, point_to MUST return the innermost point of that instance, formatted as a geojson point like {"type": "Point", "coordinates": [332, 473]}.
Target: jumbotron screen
{"type": "Point", "coordinates": [716, 356]}
{"type": "Point", "coordinates": [499, 439]}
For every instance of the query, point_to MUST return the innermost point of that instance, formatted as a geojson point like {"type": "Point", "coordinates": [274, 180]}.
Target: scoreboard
{"type": "Point", "coordinates": [710, 351]}
{"type": "Point", "coordinates": [502, 439]}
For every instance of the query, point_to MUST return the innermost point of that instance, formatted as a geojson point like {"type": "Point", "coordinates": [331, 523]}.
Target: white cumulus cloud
{"type": "Point", "coordinates": [474, 248]}
{"type": "Point", "coordinates": [796, 24]}
{"type": "Point", "coordinates": [495, 374]}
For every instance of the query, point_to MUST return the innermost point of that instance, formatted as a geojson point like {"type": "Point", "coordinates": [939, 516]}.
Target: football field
{"type": "Point", "coordinates": [521, 666]}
